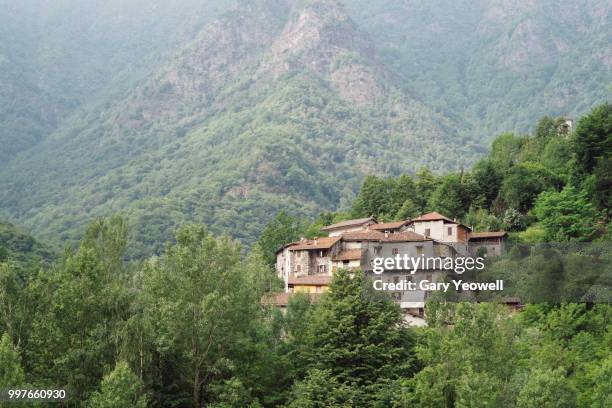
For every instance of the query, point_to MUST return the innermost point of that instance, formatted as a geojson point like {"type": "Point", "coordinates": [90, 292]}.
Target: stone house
{"type": "Point", "coordinates": [343, 227]}
{"type": "Point", "coordinates": [493, 242]}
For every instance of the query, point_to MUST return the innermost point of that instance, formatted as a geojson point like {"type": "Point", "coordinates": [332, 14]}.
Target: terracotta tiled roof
{"type": "Point", "coordinates": [405, 236]}
{"type": "Point", "coordinates": [492, 234]}
{"type": "Point", "coordinates": [286, 245]}
{"type": "Point", "coordinates": [317, 280]}
{"type": "Point", "coordinates": [381, 236]}
{"type": "Point", "coordinates": [319, 243]}
{"type": "Point", "coordinates": [388, 225]}
{"type": "Point", "coordinates": [279, 299]}
{"type": "Point", "coordinates": [282, 299]}
{"type": "Point", "coordinates": [434, 216]}
{"type": "Point", "coordinates": [367, 235]}
{"type": "Point", "coordinates": [348, 223]}
{"type": "Point", "coordinates": [349, 255]}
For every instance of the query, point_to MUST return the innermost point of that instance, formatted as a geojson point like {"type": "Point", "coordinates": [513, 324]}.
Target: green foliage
{"type": "Point", "coordinates": [593, 138]}
{"type": "Point", "coordinates": [79, 303]}
{"type": "Point", "coordinates": [119, 389]}
{"type": "Point", "coordinates": [191, 325]}
{"type": "Point", "coordinates": [320, 389]}
{"type": "Point", "coordinates": [202, 307]}
{"type": "Point", "coordinates": [487, 180]}
{"type": "Point", "coordinates": [22, 248]}
{"type": "Point", "coordinates": [521, 187]}
{"type": "Point", "coordinates": [547, 389]}
{"type": "Point", "coordinates": [449, 197]}
{"type": "Point", "coordinates": [356, 338]}
{"type": "Point", "coordinates": [11, 372]}
{"type": "Point", "coordinates": [282, 230]}
{"type": "Point", "coordinates": [567, 215]}
{"type": "Point", "coordinates": [601, 192]}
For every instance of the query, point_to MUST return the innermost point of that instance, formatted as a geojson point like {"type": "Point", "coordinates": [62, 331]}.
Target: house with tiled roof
{"type": "Point", "coordinates": [393, 226]}
{"type": "Point", "coordinates": [492, 242]}
{"type": "Point", "coordinates": [441, 228]}
{"type": "Point", "coordinates": [343, 227]}
{"type": "Point", "coordinates": [308, 265]}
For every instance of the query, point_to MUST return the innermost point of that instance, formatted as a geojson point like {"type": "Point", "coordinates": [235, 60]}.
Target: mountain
{"type": "Point", "coordinates": [21, 248]}
{"type": "Point", "coordinates": [281, 104]}
{"type": "Point", "coordinates": [56, 56]}
{"type": "Point", "coordinates": [276, 105]}
{"type": "Point", "coordinates": [495, 65]}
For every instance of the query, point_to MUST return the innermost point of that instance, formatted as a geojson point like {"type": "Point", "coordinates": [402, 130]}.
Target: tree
{"type": "Point", "coordinates": [320, 389]}
{"type": "Point", "coordinates": [505, 149]}
{"type": "Point", "coordinates": [81, 304]}
{"type": "Point", "coordinates": [121, 388]}
{"type": "Point", "coordinates": [478, 390]}
{"type": "Point", "coordinates": [409, 209]}
{"type": "Point", "coordinates": [521, 187]}
{"type": "Point", "coordinates": [478, 352]}
{"type": "Point", "coordinates": [11, 373]}
{"type": "Point", "coordinates": [357, 335]}
{"type": "Point", "coordinates": [567, 215]}
{"type": "Point", "coordinates": [546, 128]}
{"type": "Point", "coordinates": [14, 313]}
{"type": "Point", "coordinates": [403, 191]}
{"type": "Point", "coordinates": [602, 186]}
{"type": "Point", "coordinates": [600, 394]}
{"type": "Point", "coordinates": [546, 389]}
{"type": "Point", "coordinates": [487, 181]}
{"type": "Point", "coordinates": [593, 138]}
{"type": "Point", "coordinates": [282, 230]}
{"type": "Point", "coordinates": [449, 197]}
{"type": "Point", "coordinates": [425, 183]}
{"type": "Point", "coordinates": [203, 307]}
{"type": "Point", "coordinates": [375, 197]}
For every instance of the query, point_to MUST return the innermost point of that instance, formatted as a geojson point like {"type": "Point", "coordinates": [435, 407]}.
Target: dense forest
{"type": "Point", "coordinates": [188, 327]}
{"type": "Point", "coordinates": [554, 185]}
{"type": "Point", "coordinates": [226, 111]}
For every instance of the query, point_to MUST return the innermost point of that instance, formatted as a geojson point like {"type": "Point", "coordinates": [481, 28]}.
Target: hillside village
{"type": "Point", "coordinates": [307, 266]}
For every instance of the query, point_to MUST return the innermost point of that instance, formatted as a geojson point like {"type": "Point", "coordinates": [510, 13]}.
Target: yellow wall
{"type": "Point", "coordinates": [309, 289]}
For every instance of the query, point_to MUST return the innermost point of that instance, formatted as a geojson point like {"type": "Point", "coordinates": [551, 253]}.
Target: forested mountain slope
{"type": "Point", "coordinates": [20, 248]}
{"type": "Point", "coordinates": [154, 111]}
{"type": "Point", "coordinates": [495, 65]}
{"type": "Point", "coordinates": [276, 105]}
{"type": "Point", "coordinates": [56, 56]}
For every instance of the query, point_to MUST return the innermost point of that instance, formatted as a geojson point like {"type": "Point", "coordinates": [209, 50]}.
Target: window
{"type": "Point", "coordinates": [298, 268]}
{"type": "Point", "coordinates": [408, 278]}
{"type": "Point", "coordinates": [395, 251]}
{"type": "Point", "coordinates": [377, 250]}
{"type": "Point", "coordinates": [428, 232]}
{"type": "Point", "coordinates": [450, 231]}
{"type": "Point", "coordinates": [321, 253]}
{"type": "Point", "coordinates": [396, 279]}
{"type": "Point", "coordinates": [396, 295]}
{"type": "Point", "coordinates": [419, 250]}
{"type": "Point", "coordinates": [299, 254]}
{"type": "Point", "coordinates": [345, 263]}
{"type": "Point", "coordinates": [322, 268]}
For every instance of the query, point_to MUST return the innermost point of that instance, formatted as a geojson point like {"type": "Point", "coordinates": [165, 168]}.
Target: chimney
{"type": "Point", "coordinates": [386, 234]}
{"type": "Point", "coordinates": [315, 240]}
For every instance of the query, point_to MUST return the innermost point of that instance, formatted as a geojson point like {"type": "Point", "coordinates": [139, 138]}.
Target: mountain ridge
{"type": "Point", "coordinates": [278, 104]}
